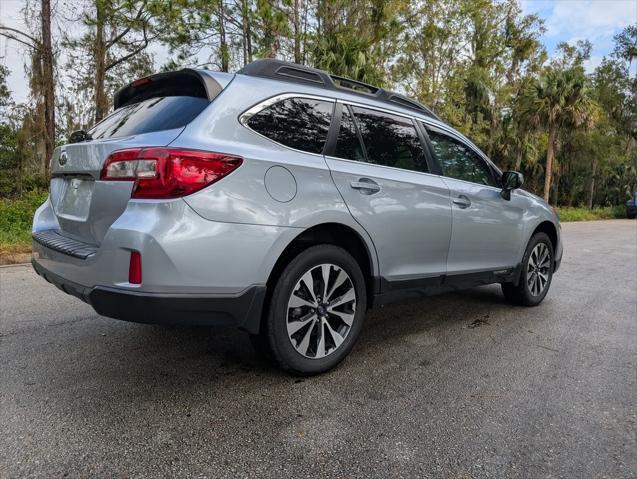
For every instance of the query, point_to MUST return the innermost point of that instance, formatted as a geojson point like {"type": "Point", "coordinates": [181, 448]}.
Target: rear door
{"type": "Point", "coordinates": [487, 229]}
{"type": "Point", "coordinates": [380, 168]}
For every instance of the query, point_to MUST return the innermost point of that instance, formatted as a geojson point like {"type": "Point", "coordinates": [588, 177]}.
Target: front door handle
{"type": "Point", "coordinates": [462, 201]}
{"type": "Point", "coordinates": [366, 186]}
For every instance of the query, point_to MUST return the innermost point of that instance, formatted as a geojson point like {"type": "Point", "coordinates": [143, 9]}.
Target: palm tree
{"type": "Point", "coordinates": [559, 99]}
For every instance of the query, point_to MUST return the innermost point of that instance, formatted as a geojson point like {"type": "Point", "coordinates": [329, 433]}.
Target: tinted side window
{"type": "Point", "coordinates": [390, 140]}
{"type": "Point", "coordinates": [459, 161]}
{"type": "Point", "coordinates": [299, 123]}
{"type": "Point", "coordinates": [348, 144]}
{"type": "Point", "coordinates": [154, 114]}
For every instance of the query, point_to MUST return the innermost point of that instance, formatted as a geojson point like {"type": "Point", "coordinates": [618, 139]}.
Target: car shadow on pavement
{"type": "Point", "coordinates": [101, 359]}
{"type": "Point", "coordinates": [228, 351]}
{"type": "Point", "coordinates": [223, 352]}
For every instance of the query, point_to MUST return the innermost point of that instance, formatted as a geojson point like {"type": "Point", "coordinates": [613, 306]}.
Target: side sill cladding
{"type": "Point", "coordinates": [418, 288]}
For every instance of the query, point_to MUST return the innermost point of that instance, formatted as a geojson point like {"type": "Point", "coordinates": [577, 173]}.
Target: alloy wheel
{"type": "Point", "coordinates": [538, 269]}
{"type": "Point", "coordinates": [321, 310]}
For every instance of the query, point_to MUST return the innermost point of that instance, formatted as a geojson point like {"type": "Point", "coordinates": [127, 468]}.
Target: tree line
{"type": "Point", "coordinates": [478, 64]}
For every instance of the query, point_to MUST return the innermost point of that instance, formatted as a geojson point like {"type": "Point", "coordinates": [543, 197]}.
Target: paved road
{"type": "Point", "coordinates": [456, 386]}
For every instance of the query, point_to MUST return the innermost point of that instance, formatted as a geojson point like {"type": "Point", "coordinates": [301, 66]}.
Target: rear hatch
{"type": "Point", "coordinates": [149, 112]}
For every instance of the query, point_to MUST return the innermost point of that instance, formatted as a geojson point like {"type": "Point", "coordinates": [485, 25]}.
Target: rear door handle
{"type": "Point", "coordinates": [462, 201]}
{"type": "Point", "coordinates": [366, 186]}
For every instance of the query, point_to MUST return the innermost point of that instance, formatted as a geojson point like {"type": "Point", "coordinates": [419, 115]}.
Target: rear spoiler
{"type": "Point", "coordinates": [186, 82]}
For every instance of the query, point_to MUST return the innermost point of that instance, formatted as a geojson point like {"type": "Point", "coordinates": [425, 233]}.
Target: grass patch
{"type": "Point", "coordinates": [584, 214]}
{"type": "Point", "coordinates": [16, 217]}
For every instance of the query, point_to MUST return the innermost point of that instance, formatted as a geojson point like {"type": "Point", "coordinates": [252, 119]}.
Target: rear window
{"type": "Point", "coordinates": [390, 140]}
{"type": "Point", "coordinates": [299, 123]}
{"type": "Point", "coordinates": [154, 114]}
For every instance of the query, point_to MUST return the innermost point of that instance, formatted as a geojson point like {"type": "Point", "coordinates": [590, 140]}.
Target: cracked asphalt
{"type": "Point", "coordinates": [455, 386]}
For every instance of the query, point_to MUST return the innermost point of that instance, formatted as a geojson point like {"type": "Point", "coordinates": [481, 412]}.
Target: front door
{"type": "Point", "coordinates": [487, 229]}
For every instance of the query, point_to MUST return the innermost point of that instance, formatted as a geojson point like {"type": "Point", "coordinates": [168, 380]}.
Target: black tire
{"type": "Point", "coordinates": [521, 293]}
{"type": "Point", "coordinates": [275, 332]}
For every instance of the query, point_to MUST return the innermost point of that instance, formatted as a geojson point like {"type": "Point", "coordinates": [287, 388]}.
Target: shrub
{"type": "Point", "coordinates": [16, 217]}
{"type": "Point", "coordinates": [584, 214]}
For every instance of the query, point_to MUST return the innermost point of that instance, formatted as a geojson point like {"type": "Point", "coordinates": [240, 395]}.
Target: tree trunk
{"type": "Point", "coordinates": [244, 32]}
{"type": "Point", "coordinates": [20, 161]}
{"type": "Point", "coordinates": [518, 160]}
{"type": "Point", "coordinates": [297, 31]}
{"type": "Point", "coordinates": [265, 13]}
{"type": "Point", "coordinates": [223, 45]}
{"type": "Point", "coordinates": [101, 102]}
{"type": "Point", "coordinates": [247, 32]}
{"type": "Point", "coordinates": [550, 151]}
{"type": "Point", "coordinates": [591, 191]}
{"type": "Point", "coordinates": [304, 36]}
{"type": "Point", "coordinates": [269, 41]}
{"type": "Point", "coordinates": [48, 85]}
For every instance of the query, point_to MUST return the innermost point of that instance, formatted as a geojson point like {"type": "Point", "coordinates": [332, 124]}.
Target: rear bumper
{"type": "Point", "coordinates": [242, 309]}
{"type": "Point", "coordinates": [195, 271]}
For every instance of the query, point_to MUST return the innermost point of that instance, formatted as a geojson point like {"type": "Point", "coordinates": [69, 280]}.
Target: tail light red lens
{"type": "Point", "coordinates": [135, 268]}
{"type": "Point", "coordinates": [167, 172]}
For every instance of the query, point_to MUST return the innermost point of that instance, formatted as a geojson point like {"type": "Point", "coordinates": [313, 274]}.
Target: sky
{"type": "Point", "coordinates": [565, 20]}
{"type": "Point", "coordinates": [571, 20]}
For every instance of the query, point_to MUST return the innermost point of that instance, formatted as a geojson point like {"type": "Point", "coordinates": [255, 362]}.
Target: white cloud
{"type": "Point", "coordinates": [593, 62]}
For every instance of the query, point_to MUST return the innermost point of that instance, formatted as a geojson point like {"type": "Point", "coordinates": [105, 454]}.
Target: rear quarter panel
{"type": "Point", "coordinates": [242, 197]}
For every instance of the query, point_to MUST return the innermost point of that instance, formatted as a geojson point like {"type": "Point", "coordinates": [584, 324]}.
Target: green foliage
{"type": "Point", "coordinates": [110, 52]}
{"type": "Point", "coordinates": [5, 93]}
{"type": "Point", "coordinates": [626, 44]}
{"type": "Point", "coordinates": [559, 97]}
{"type": "Point", "coordinates": [356, 38]}
{"type": "Point", "coordinates": [479, 64]}
{"type": "Point", "coordinates": [584, 214]}
{"type": "Point", "coordinates": [16, 217]}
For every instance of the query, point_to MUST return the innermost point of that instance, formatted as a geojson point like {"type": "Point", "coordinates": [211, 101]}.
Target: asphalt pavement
{"type": "Point", "coordinates": [461, 385]}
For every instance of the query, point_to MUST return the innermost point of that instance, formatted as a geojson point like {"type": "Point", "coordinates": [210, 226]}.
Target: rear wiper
{"type": "Point", "coordinates": [79, 136]}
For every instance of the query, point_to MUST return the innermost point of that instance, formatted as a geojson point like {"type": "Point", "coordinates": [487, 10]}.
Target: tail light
{"type": "Point", "coordinates": [167, 172]}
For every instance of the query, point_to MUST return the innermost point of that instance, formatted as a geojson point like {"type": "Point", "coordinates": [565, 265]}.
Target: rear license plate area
{"type": "Point", "coordinates": [75, 198]}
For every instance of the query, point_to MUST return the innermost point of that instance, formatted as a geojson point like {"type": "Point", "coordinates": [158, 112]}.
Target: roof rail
{"type": "Point", "coordinates": [292, 72]}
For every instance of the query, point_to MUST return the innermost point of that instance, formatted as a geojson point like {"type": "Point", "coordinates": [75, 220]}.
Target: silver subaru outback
{"type": "Point", "coordinates": [284, 201]}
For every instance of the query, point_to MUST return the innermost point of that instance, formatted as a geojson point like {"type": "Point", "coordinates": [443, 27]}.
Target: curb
{"type": "Point", "coordinates": [2, 266]}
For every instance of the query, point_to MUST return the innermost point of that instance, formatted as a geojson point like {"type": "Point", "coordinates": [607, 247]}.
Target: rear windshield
{"type": "Point", "coordinates": [154, 114]}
